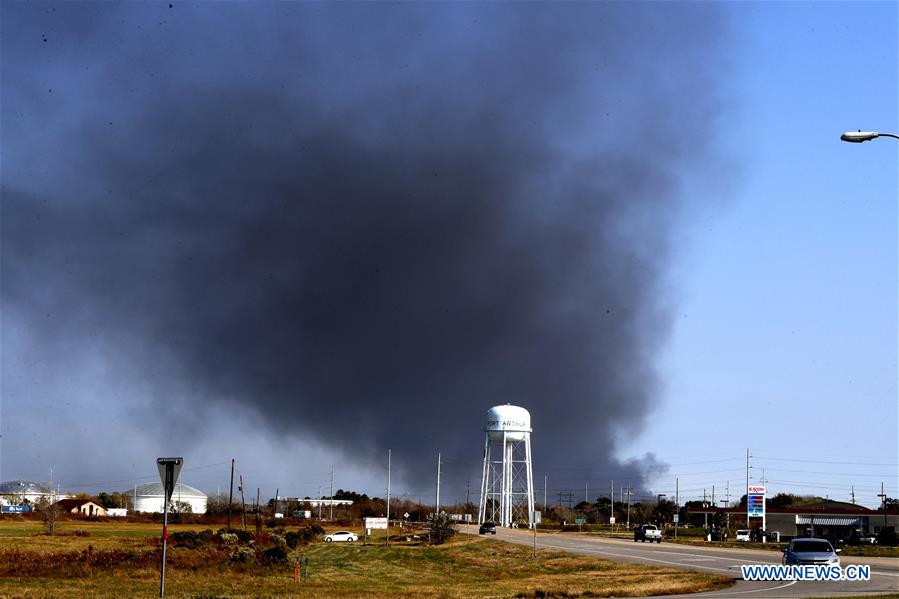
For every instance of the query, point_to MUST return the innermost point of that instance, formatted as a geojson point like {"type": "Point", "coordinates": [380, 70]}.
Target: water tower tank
{"type": "Point", "coordinates": [514, 421]}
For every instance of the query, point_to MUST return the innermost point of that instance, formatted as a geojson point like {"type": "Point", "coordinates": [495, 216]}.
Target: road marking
{"type": "Point", "coordinates": [648, 559]}
{"type": "Point", "coordinates": [783, 586]}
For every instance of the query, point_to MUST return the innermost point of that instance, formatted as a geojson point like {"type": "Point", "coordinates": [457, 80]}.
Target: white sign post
{"type": "Point", "coordinates": [380, 523]}
{"type": "Point", "coordinates": [169, 468]}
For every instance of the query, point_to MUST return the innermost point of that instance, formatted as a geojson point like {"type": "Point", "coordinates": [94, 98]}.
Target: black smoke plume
{"type": "Point", "coordinates": [366, 222]}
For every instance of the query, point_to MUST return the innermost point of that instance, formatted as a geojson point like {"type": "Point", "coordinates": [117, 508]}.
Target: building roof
{"type": "Point", "coordinates": [156, 490]}
{"type": "Point", "coordinates": [18, 487]}
{"type": "Point", "coordinates": [70, 504]}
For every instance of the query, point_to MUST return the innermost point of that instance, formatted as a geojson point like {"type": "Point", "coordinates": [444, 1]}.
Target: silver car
{"type": "Point", "coordinates": [809, 551]}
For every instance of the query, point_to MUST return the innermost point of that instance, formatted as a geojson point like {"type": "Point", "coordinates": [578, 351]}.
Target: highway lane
{"type": "Point", "coordinates": [725, 561]}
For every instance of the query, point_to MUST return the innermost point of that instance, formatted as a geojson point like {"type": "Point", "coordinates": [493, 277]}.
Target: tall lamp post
{"type": "Point", "coordinates": [859, 136]}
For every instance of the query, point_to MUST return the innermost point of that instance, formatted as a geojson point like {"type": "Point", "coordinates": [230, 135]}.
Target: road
{"type": "Point", "coordinates": [884, 571]}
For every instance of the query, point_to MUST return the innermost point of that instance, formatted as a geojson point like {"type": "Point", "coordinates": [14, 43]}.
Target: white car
{"type": "Point", "coordinates": [743, 536]}
{"type": "Point", "coordinates": [341, 535]}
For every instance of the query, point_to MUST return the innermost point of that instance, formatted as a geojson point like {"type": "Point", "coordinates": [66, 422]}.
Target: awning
{"type": "Point", "coordinates": [829, 520]}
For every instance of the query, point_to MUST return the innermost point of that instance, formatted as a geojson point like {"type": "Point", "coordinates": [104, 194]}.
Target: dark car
{"type": "Point", "coordinates": [487, 528]}
{"type": "Point", "coordinates": [810, 551]}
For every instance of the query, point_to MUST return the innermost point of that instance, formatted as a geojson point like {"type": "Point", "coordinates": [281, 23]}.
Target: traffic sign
{"type": "Point", "coordinates": [580, 520]}
{"type": "Point", "coordinates": [169, 468]}
{"type": "Point", "coordinates": [676, 518]}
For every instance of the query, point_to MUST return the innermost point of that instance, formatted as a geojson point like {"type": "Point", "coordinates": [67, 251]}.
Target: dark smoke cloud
{"type": "Point", "coordinates": [369, 223]}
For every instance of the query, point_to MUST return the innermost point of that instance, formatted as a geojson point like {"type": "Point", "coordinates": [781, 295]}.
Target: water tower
{"type": "Point", "coordinates": [507, 485]}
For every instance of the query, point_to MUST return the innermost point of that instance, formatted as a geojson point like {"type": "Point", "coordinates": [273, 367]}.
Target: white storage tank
{"type": "Point", "coordinates": [514, 421]}
{"type": "Point", "coordinates": [149, 498]}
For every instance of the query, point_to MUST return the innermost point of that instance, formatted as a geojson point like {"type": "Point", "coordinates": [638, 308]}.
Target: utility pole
{"type": "Point", "coordinates": [852, 494]}
{"type": "Point", "coordinates": [628, 504]}
{"type": "Point", "coordinates": [258, 521]}
{"type": "Point", "coordinates": [388, 497]}
{"type": "Point", "coordinates": [586, 500]}
{"type": "Point", "coordinates": [437, 500]}
{"type": "Point", "coordinates": [676, 506]}
{"type": "Point", "coordinates": [612, 501]}
{"type": "Point", "coordinates": [727, 495]}
{"type": "Point", "coordinates": [230, 494]}
{"type": "Point", "coordinates": [544, 492]}
{"type": "Point", "coordinates": [319, 502]}
{"type": "Point", "coordinates": [883, 505]}
{"type": "Point", "coordinates": [747, 488]}
{"type": "Point", "coordinates": [331, 517]}
{"type": "Point", "coordinates": [275, 502]}
{"type": "Point", "coordinates": [468, 492]}
{"type": "Point", "coordinates": [243, 505]}
{"type": "Point", "coordinates": [705, 514]}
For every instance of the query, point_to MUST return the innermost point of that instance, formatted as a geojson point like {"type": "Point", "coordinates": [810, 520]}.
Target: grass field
{"type": "Point", "coordinates": [112, 559]}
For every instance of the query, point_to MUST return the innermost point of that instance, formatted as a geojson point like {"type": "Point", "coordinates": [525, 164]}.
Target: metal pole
{"type": "Point", "coordinates": [544, 492]}
{"type": "Point", "coordinates": [612, 500]}
{"type": "Point", "coordinates": [437, 500]}
{"type": "Point", "coordinates": [388, 497]}
{"type": "Point", "coordinates": [331, 517]}
{"type": "Point", "coordinates": [748, 475]}
{"type": "Point", "coordinates": [165, 538]}
{"type": "Point", "coordinates": [628, 504]}
{"type": "Point", "coordinates": [705, 514]}
{"type": "Point", "coordinates": [230, 494]}
{"type": "Point", "coordinates": [676, 506]}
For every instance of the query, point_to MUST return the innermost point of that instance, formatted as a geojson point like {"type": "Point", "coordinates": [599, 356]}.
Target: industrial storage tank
{"type": "Point", "coordinates": [150, 497]}
{"type": "Point", "coordinates": [514, 421]}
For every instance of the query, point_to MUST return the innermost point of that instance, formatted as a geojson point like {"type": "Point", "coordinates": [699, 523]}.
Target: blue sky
{"type": "Point", "coordinates": [778, 277]}
{"type": "Point", "coordinates": [786, 340]}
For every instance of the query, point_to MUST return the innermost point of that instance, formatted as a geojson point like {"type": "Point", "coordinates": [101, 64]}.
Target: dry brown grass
{"type": "Point", "coordinates": [465, 568]}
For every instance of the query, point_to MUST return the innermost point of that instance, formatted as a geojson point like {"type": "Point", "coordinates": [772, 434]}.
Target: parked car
{"type": "Point", "coordinates": [743, 535]}
{"type": "Point", "coordinates": [647, 532]}
{"type": "Point", "coordinates": [487, 528]}
{"type": "Point", "coordinates": [808, 551]}
{"type": "Point", "coordinates": [341, 535]}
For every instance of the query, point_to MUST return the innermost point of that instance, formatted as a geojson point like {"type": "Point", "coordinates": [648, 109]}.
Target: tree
{"type": "Point", "coordinates": [890, 504]}
{"type": "Point", "coordinates": [441, 528]}
{"type": "Point", "coordinates": [781, 500]}
{"type": "Point", "coordinates": [49, 512]}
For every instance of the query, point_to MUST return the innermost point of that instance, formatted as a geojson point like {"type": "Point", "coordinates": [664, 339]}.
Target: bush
{"type": "Point", "coordinates": [887, 536]}
{"type": "Point", "coordinates": [228, 538]}
{"type": "Point", "coordinates": [441, 529]}
{"type": "Point", "coordinates": [275, 555]}
{"type": "Point", "coordinates": [303, 536]}
{"type": "Point", "coordinates": [242, 555]}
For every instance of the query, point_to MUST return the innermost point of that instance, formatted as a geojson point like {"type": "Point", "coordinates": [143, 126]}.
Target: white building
{"type": "Point", "coordinates": [20, 492]}
{"type": "Point", "coordinates": [150, 497]}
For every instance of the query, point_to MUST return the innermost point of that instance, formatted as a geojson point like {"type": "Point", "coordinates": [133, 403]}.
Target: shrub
{"type": "Point", "coordinates": [242, 555]}
{"type": "Point", "coordinates": [441, 529]}
{"type": "Point", "coordinates": [275, 555]}
{"type": "Point", "coordinates": [228, 538]}
{"type": "Point", "coordinates": [887, 536]}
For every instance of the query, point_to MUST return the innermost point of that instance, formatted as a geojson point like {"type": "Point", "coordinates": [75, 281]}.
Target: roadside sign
{"type": "Point", "coordinates": [580, 520]}
{"type": "Point", "coordinates": [611, 519]}
{"type": "Point", "coordinates": [676, 518]}
{"type": "Point", "coordinates": [756, 489]}
{"type": "Point", "coordinates": [376, 523]}
{"type": "Point", "coordinates": [538, 517]}
{"type": "Point", "coordinates": [169, 468]}
{"type": "Point", "coordinates": [16, 509]}
{"type": "Point", "coordinates": [755, 505]}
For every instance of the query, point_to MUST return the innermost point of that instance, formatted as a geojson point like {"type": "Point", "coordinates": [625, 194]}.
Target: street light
{"type": "Point", "coordinates": [859, 136]}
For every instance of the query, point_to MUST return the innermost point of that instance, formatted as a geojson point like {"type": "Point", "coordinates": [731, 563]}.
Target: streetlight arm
{"type": "Point", "coordinates": [859, 136]}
